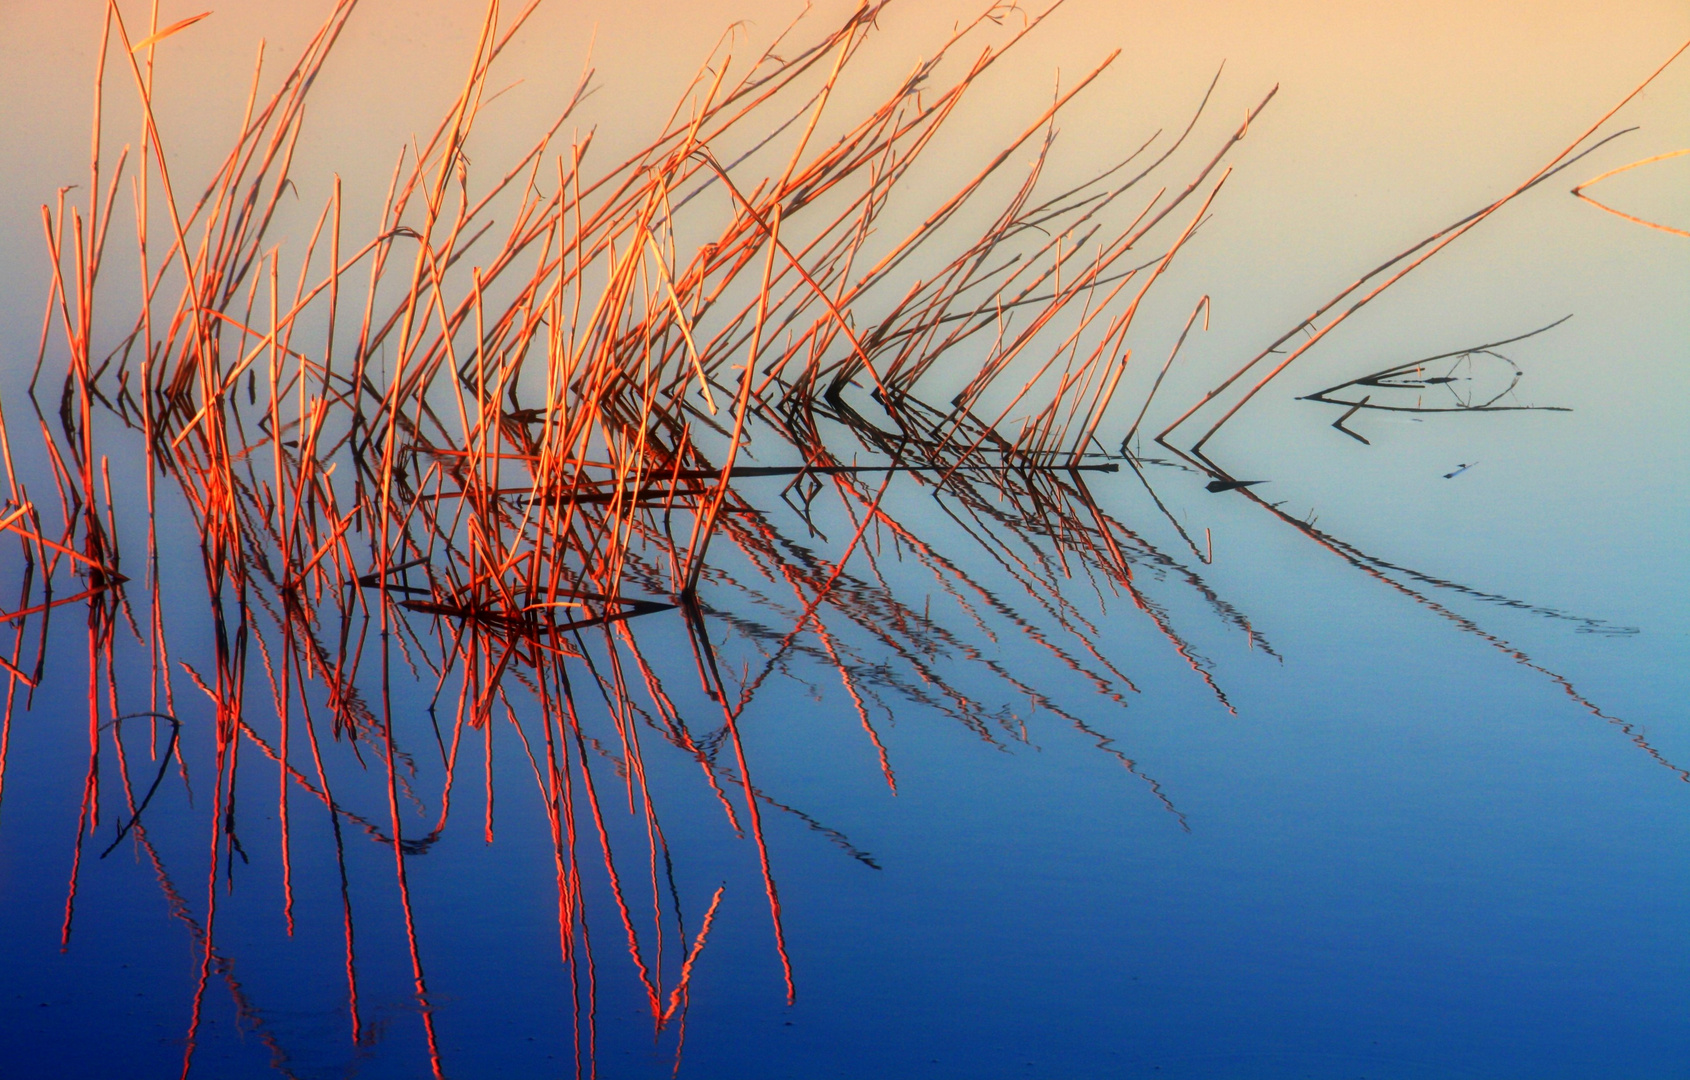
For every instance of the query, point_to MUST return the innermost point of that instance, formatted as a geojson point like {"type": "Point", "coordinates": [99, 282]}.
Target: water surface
{"type": "Point", "coordinates": [1372, 769]}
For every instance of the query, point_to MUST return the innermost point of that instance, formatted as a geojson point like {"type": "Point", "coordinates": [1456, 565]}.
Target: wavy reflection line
{"type": "Point", "coordinates": [1367, 565]}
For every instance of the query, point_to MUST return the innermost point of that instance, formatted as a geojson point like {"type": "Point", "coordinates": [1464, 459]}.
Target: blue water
{"type": "Point", "coordinates": [1406, 831]}
{"type": "Point", "coordinates": [1406, 855]}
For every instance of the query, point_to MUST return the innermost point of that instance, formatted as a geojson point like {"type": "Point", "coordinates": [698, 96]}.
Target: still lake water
{"type": "Point", "coordinates": [1396, 829]}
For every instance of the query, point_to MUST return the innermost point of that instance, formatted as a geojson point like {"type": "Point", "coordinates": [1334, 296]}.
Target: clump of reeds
{"type": "Point", "coordinates": [523, 411]}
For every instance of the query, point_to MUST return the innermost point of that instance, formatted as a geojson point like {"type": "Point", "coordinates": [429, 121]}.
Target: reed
{"type": "Point", "coordinates": [468, 451]}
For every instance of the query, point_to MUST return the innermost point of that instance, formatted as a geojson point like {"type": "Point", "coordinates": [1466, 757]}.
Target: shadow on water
{"type": "Point", "coordinates": [463, 478]}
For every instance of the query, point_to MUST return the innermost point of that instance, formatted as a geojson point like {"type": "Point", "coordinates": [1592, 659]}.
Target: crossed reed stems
{"type": "Point", "coordinates": [478, 440]}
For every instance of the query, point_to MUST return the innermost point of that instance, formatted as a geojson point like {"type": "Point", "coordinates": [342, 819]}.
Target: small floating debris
{"type": "Point", "coordinates": [1474, 379]}
{"type": "Point", "coordinates": [1459, 469]}
{"type": "Point", "coordinates": [1230, 485]}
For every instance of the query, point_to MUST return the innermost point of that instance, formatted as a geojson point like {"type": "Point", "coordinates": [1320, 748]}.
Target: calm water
{"type": "Point", "coordinates": [1398, 794]}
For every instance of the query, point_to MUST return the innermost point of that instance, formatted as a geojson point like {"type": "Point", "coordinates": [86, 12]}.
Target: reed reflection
{"type": "Point", "coordinates": [454, 479]}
